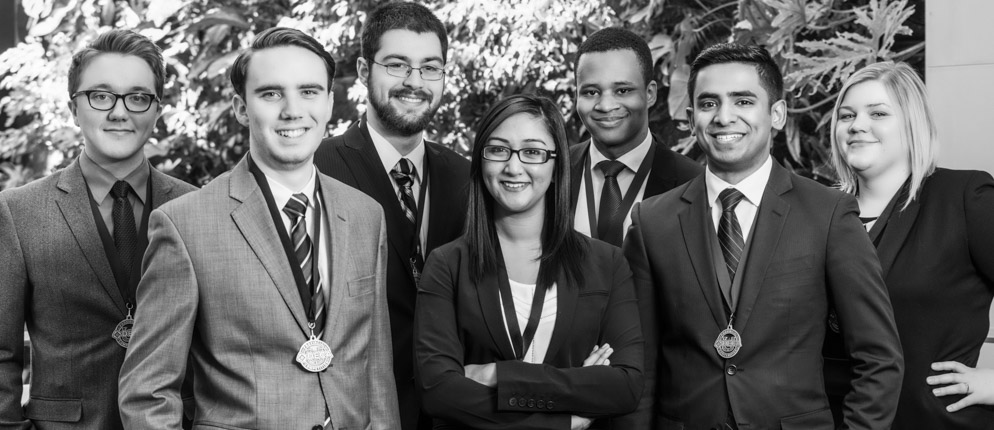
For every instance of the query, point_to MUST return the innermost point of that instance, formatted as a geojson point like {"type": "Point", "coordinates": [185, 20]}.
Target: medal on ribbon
{"type": "Point", "coordinates": [122, 333]}
{"type": "Point", "coordinates": [729, 342]}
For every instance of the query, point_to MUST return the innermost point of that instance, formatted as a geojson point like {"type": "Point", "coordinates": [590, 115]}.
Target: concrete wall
{"type": "Point", "coordinates": [959, 71]}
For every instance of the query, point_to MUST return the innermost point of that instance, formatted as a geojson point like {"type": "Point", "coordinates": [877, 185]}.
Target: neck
{"type": "Point", "coordinates": [294, 178]}
{"type": "Point", "coordinates": [522, 229]}
{"type": "Point", "coordinates": [404, 144]}
{"type": "Point", "coordinates": [119, 168]}
{"type": "Point", "coordinates": [612, 152]}
{"type": "Point", "coordinates": [881, 187]}
{"type": "Point", "coordinates": [733, 177]}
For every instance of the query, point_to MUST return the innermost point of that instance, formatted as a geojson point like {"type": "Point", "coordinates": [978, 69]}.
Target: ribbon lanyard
{"type": "Point", "coordinates": [520, 342]}
{"type": "Point", "coordinates": [633, 189]}
{"type": "Point", "coordinates": [419, 217]}
{"type": "Point", "coordinates": [298, 275]}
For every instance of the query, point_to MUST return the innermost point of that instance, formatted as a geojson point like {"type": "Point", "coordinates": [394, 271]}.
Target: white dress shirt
{"type": "Point", "coordinates": [281, 195]}
{"type": "Point", "coordinates": [523, 295]}
{"type": "Point", "coordinates": [389, 156]}
{"type": "Point", "coordinates": [752, 187]}
{"type": "Point", "coordinates": [632, 160]}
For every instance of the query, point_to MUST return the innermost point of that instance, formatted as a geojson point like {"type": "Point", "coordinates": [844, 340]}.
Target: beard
{"type": "Point", "coordinates": [399, 122]}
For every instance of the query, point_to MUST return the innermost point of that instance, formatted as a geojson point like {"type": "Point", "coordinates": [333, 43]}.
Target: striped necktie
{"type": "Point", "coordinates": [295, 209]}
{"type": "Point", "coordinates": [729, 230]}
{"type": "Point", "coordinates": [403, 174]}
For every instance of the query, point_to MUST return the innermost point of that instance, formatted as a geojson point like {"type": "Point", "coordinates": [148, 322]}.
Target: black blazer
{"type": "Point", "coordinates": [807, 247]}
{"type": "Point", "coordinates": [938, 263]}
{"type": "Point", "coordinates": [459, 322]}
{"type": "Point", "coordinates": [352, 159]}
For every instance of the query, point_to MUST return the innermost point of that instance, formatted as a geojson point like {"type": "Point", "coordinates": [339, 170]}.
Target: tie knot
{"type": "Point", "coordinates": [611, 168]}
{"type": "Point", "coordinates": [296, 207]}
{"type": "Point", "coordinates": [402, 172]}
{"type": "Point", "coordinates": [120, 189]}
{"type": "Point", "coordinates": [730, 197]}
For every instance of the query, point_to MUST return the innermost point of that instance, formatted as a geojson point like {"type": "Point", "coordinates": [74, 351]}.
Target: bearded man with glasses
{"type": "Point", "coordinates": [420, 184]}
{"type": "Point", "coordinates": [73, 245]}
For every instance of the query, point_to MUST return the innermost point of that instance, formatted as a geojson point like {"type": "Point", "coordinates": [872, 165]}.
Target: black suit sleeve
{"type": "Point", "coordinates": [866, 319]}
{"type": "Point", "coordinates": [979, 203]}
{"type": "Point", "coordinates": [446, 391]}
{"type": "Point", "coordinates": [13, 290]}
{"type": "Point", "coordinates": [593, 391]}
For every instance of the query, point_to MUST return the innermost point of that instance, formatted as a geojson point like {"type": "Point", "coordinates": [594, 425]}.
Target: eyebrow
{"type": "Point", "coordinates": [408, 59]}
{"type": "Point", "coordinates": [276, 87]}
{"type": "Point", "coordinates": [107, 87]}
{"type": "Point", "coordinates": [528, 140]}
{"type": "Point", "coordinates": [615, 83]}
{"type": "Point", "coordinates": [871, 105]}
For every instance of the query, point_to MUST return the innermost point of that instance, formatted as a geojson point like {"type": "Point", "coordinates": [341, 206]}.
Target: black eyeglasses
{"type": "Point", "coordinates": [106, 100]}
{"type": "Point", "coordinates": [525, 155]}
{"type": "Point", "coordinates": [403, 70]}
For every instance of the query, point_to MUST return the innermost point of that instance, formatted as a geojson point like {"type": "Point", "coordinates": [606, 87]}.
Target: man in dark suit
{"type": "Point", "coordinates": [625, 164]}
{"type": "Point", "coordinates": [73, 242]}
{"type": "Point", "coordinates": [271, 277]}
{"type": "Point", "coordinates": [421, 185]}
{"type": "Point", "coordinates": [735, 271]}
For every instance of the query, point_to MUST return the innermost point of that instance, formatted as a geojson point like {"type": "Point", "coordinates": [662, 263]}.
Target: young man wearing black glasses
{"type": "Point", "coordinates": [73, 244]}
{"type": "Point", "coordinates": [420, 184]}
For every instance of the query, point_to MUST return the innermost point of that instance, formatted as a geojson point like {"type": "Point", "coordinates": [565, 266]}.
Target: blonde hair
{"type": "Point", "coordinates": [919, 132]}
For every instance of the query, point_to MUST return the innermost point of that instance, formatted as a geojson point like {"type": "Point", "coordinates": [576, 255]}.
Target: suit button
{"type": "Point", "coordinates": [513, 401]}
{"type": "Point", "coordinates": [731, 370]}
{"type": "Point", "coordinates": [521, 402]}
{"type": "Point", "coordinates": [549, 405]}
{"type": "Point", "coordinates": [541, 404]}
{"type": "Point", "coordinates": [317, 427]}
{"type": "Point", "coordinates": [531, 403]}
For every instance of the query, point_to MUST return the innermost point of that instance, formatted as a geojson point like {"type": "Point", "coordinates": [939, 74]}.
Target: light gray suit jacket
{"type": "Point", "coordinates": [55, 277]}
{"type": "Point", "coordinates": [216, 283]}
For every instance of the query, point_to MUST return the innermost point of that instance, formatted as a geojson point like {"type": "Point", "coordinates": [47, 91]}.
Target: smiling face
{"type": "Point", "coordinates": [116, 135]}
{"type": "Point", "coordinates": [287, 106]}
{"type": "Point", "coordinates": [613, 100]}
{"type": "Point", "coordinates": [869, 131]}
{"type": "Point", "coordinates": [733, 119]}
{"type": "Point", "coordinates": [519, 188]}
{"type": "Point", "coordinates": [399, 105]}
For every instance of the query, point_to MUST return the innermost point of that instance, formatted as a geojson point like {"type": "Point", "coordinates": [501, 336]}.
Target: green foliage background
{"type": "Point", "coordinates": [497, 48]}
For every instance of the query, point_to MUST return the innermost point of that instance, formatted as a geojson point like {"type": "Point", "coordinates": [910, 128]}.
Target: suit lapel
{"type": "Point", "coordinates": [254, 221]}
{"type": "Point", "coordinates": [338, 238]}
{"type": "Point", "coordinates": [896, 233]}
{"type": "Point", "coordinates": [578, 154]}
{"type": "Point", "coordinates": [693, 223]}
{"type": "Point", "coordinates": [565, 311]}
{"type": "Point", "coordinates": [487, 293]}
{"type": "Point", "coordinates": [661, 176]}
{"type": "Point", "coordinates": [74, 203]}
{"type": "Point", "coordinates": [770, 220]}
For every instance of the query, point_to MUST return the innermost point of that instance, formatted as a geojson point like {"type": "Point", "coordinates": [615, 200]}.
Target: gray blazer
{"type": "Point", "coordinates": [216, 283]}
{"type": "Point", "coordinates": [55, 277]}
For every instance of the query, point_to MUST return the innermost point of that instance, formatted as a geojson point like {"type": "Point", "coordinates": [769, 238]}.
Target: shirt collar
{"type": "Point", "coordinates": [100, 180]}
{"type": "Point", "coordinates": [752, 187]}
{"type": "Point", "coordinates": [282, 194]}
{"type": "Point", "coordinates": [632, 159]}
{"type": "Point", "coordinates": [389, 155]}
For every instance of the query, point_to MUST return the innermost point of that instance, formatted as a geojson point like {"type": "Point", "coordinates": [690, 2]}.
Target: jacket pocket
{"type": "Point", "coordinates": [60, 410]}
{"type": "Point", "coordinates": [820, 419]}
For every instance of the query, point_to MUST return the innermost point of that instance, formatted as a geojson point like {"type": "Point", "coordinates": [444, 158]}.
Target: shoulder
{"type": "Point", "coordinates": [198, 200]}
{"type": "Point", "coordinates": [598, 253]}
{"type": "Point", "coordinates": [577, 150]}
{"type": "Point", "coordinates": [451, 254]}
{"type": "Point", "coordinates": [681, 166]}
{"type": "Point", "coordinates": [665, 201]}
{"type": "Point", "coordinates": [179, 186]}
{"type": "Point", "coordinates": [449, 156]}
{"type": "Point", "coordinates": [950, 179]}
{"type": "Point", "coordinates": [32, 190]}
{"type": "Point", "coordinates": [347, 196]}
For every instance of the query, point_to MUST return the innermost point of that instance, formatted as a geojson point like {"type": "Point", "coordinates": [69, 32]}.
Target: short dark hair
{"type": "Point", "coordinates": [400, 16]}
{"type": "Point", "coordinates": [770, 76]}
{"type": "Point", "coordinates": [618, 39]}
{"type": "Point", "coordinates": [124, 42]}
{"type": "Point", "coordinates": [273, 38]}
{"type": "Point", "coordinates": [562, 247]}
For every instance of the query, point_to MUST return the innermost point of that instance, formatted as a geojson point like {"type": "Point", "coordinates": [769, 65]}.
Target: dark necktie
{"type": "Point", "coordinates": [609, 221]}
{"type": "Point", "coordinates": [729, 230]}
{"type": "Point", "coordinates": [403, 174]}
{"type": "Point", "coordinates": [295, 209]}
{"type": "Point", "coordinates": [125, 230]}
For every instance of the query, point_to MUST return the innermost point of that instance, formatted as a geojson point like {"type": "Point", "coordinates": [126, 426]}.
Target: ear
{"type": "Point", "coordinates": [362, 69]}
{"type": "Point", "coordinates": [240, 108]}
{"type": "Point", "coordinates": [650, 92]}
{"type": "Point", "coordinates": [72, 108]}
{"type": "Point", "coordinates": [778, 112]}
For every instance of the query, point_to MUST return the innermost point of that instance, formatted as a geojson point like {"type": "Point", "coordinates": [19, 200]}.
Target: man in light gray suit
{"type": "Point", "coordinates": [271, 276]}
{"type": "Point", "coordinates": [71, 245]}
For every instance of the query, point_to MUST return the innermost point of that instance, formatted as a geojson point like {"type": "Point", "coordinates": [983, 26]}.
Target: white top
{"type": "Point", "coordinates": [523, 295]}
{"type": "Point", "coordinates": [389, 156]}
{"type": "Point", "coordinates": [752, 187]}
{"type": "Point", "coordinates": [632, 160]}
{"type": "Point", "coordinates": [281, 195]}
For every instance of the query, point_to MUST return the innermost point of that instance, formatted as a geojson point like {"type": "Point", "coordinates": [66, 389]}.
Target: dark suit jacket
{"type": "Point", "coordinates": [938, 263]}
{"type": "Point", "coordinates": [669, 170]}
{"type": "Point", "coordinates": [459, 322]}
{"type": "Point", "coordinates": [352, 159]}
{"type": "Point", "coordinates": [807, 246]}
{"type": "Point", "coordinates": [55, 277]}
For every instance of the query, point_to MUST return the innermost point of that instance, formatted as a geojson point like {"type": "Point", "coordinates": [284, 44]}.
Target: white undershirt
{"type": "Point", "coordinates": [752, 187]}
{"type": "Point", "coordinates": [523, 295]}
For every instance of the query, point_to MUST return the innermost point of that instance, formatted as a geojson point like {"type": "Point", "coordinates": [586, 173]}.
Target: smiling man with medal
{"type": "Point", "coordinates": [271, 278]}
{"type": "Point", "coordinates": [735, 271]}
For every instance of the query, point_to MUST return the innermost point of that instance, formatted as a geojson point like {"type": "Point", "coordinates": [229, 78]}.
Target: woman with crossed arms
{"type": "Point", "coordinates": [523, 323]}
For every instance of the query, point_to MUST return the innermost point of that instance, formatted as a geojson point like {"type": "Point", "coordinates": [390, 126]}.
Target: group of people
{"type": "Point", "coordinates": [378, 280]}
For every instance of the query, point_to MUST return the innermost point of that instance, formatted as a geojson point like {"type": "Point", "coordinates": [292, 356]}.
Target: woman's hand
{"type": "Point", "coordinates": [485, 374]}
{"type": "Point", "coordinates": [579, 423]}
{"type": "Point", "coordinates": [976, 384]}
{"type": "Point", "coordinates": [598, 357]}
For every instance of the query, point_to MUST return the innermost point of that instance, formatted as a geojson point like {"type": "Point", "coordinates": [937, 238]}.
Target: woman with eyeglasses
{"type": "Point", "coordinates": [933, 233]}
{"type": "Point", "coordinates": [523, 323]}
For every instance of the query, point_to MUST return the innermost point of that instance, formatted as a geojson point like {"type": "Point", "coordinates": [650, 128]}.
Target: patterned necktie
{"type": "Point", "coordinates": [609, 221]}
{"type": "Point", "coordinates": [295, 209]}
{"type": "Point", "coordinates": [403, 174]}
{"type": "Point", "coordinates": [125, 231]}
{"type": "Point", "coordinates": [729, 230]}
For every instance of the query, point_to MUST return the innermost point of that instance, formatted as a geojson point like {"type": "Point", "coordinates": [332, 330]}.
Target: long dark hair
{"type": "Point", "coordinates": [562, 247]}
